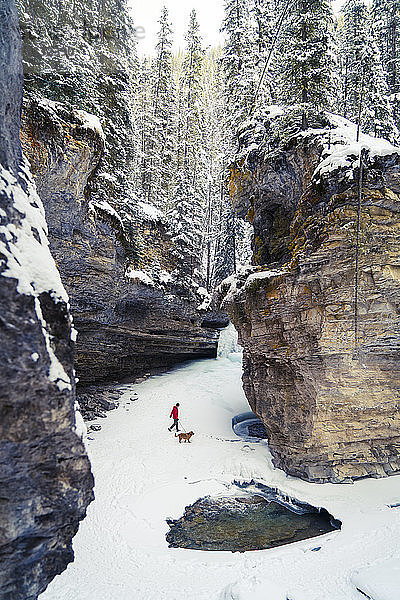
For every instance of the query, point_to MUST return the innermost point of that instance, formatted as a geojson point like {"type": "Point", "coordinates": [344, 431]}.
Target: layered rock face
{"type": "Point", "coordinates": [128, 323]}
{"type": "Point", "coordinates": [45, 477]}
{"type": "Point", "coordinates": [321, 351]}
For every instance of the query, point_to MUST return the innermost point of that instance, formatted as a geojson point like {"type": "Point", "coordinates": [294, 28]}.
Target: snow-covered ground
{"type": "Point", "coordinates": [143, 476]}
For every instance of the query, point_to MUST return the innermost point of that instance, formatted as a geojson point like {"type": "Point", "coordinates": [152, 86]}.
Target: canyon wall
{"type": "Point", "coordinates": [133, 306]}
{"type": "Point", "coordinates": [322, 347]}
{"type": "Point", "coordinates": [45, 478]}
{"type": "Point", "coordinates": [130, 308]}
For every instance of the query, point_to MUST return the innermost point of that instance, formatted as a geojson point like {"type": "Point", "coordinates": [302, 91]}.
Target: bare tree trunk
{"type": "Point", "coordinates": [346, 87]}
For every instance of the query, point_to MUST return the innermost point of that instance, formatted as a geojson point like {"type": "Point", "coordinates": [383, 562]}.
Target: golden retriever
{"type": "Point", "coordinates": [184, 436]}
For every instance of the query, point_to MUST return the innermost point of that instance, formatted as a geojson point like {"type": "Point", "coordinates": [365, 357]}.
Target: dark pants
{"type": "Point", "coordinates": [175, 424]}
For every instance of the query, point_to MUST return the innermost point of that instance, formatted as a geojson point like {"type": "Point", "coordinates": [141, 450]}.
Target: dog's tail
{"type": "Point", "coordinates": [176, 435]}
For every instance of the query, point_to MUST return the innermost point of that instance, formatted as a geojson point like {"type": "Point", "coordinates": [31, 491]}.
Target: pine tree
{"type": "Point", "coordinates": [161, 167]}
{"type": "Point", "coordinates": [215, 142]}
{"type": "Point", "coordinates": [386, 20]}
{"type": "Point", "coordinates": [187, 214]}
{"type": "Point", "coordinates": [376, 112]}
{"type": "Point", "coordinates": [386, 25]}
{"type": "Point", "coordinates": [263, 15]}
{"type": "Point", "coordinates": [306, 63]}
{"type": "Point", "coordinates": [118, 66]}
{"type": "Point", "coordinates": [144, 117]}
{"type": "Point", "coordinates": [226, 241]}
{"type": "Point", "coordinates": [190, 88]}
{"type": "Point", "coordinates": [354, 31]}
{"type": "Point", "coordinates": [83, 54]}
{"type": "Point", "coordinates": [342, 65]}
{"type": "Point", "coordinates": [186, 223]}
{"type": "Point", "coordinates": [365, 92]}
{"type": "Point", "coordinates": [240, 59]}
{"type": "Point", "coordinates": [267, 16]}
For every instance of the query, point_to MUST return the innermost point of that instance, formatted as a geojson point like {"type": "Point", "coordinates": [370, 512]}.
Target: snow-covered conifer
{"type": "Point", "coordinates": [190, 117]}
{"type": "Point", "coordinates": [187, 212]}
{"type": "Point", "coordinates": [306, 62]}
{"type": "Point", "coordinates": [240, 61]}
{"type": "Point", "coordinates": [386, 26]}
{"type": "Point", "coordinates": [186, 223]}
{"type": "Point", "coordinates": [83, 54]}
{"type": "Point", "coordinates": [267, 16]}
{"type": "Point", "coordinates": [353, 33]}
{"type": "Point", "coordinates": [160, 149]}
{"type": "Point", "coordinates": [365, 95]}
{"type": "Point", "coordinates": [377, 112]}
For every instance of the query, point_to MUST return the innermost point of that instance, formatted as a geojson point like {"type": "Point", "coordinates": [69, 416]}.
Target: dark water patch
{"type": "Point", "coordinates": [239, 524]}
{"type": "Point", "coordinates": [248, 425]}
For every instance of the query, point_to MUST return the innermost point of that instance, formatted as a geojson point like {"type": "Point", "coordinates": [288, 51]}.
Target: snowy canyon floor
{"type": "Point", "coordinates": [144, 476]}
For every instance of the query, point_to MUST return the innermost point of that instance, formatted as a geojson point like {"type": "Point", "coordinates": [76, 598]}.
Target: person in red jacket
{"type": "Point", "coordinates": [174, 415]}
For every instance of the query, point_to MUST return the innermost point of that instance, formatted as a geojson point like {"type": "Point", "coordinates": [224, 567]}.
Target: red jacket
{"type": "Point", "coordinates": [174, 412]}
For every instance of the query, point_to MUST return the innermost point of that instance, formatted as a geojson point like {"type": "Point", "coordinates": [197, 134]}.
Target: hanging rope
{"type": "Point", "coordinates": [357, 257]}
{"type": "Point", "coordinates": [359, 202]}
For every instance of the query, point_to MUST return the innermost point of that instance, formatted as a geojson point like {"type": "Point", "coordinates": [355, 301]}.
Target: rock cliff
{"type": "Point", "coordinates": [45, 479]}
{"type": "Point", "coordinates": [131, 311]}
{"type": "Point", "coordinates": [319, 316]}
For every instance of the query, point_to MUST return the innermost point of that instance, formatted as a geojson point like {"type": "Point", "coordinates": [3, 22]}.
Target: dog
{"type": "Point", "coordinates": [184, 436]}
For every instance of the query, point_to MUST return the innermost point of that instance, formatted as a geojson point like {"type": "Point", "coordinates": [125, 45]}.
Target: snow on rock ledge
{"type": "Point", "coordinates": [150, 213]}
{"type": "Point", "coordinates": [340, 150]}
{"type": "Point", "coordinates": [89, 121]}
{"type": "Point", "coordinates": [139, 277]}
